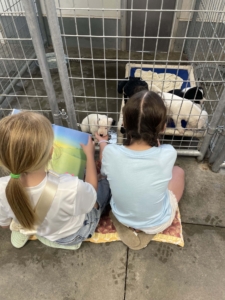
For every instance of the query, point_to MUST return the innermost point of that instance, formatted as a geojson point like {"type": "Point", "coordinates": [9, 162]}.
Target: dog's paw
{"type": "Point", "coordinates": [181, 130]}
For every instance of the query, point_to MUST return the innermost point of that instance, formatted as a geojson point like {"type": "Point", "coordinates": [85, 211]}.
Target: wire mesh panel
{"type": "Point", "coordinates": [91, 43]}
{"type": "Point", "coordinates": [205, 49]}
{"type": "Point", "coordinates": [105, 41]}
{"type": "Point", "coordinates": [21, 83]}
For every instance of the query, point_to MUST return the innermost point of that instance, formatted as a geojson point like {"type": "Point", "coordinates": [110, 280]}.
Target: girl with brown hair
{"type": "Point", "coordinates": [145, 184]}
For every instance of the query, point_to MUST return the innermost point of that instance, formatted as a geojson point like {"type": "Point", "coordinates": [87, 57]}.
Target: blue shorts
{"type": "Point", "coordinates": [92, 218]}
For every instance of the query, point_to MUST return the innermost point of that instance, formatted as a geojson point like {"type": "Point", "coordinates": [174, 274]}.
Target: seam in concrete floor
{"type": "Point", "coordinates": [125, 280]}
{"type": "Point", "coordinates": [127, 258]}
{"type": "Point", "coordinates": [206, 225]}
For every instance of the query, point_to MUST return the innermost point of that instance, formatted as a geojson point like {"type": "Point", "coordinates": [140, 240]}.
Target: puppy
{"type": "Point", "coordinates": [128, 87]}
{"type": "Point", "coordinates": [97, 123]}
{"type": "Point", "coordinates": [183, 109]}
{"type": "Point", "coordinates": [194, 94]}
{"type": "Point", "coordinates": [131, 86]}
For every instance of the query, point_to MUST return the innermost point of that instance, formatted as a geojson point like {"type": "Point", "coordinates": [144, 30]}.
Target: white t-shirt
{"type": "Point", "coordinates": [73, 200]}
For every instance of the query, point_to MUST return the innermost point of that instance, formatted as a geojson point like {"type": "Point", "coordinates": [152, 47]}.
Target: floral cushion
{"type": "Point", "coordinates": [106, 232]}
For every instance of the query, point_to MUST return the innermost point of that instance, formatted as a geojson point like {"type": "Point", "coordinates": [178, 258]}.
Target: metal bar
{"type": "Point", "coordinates": [212, 126]}
{"type": "Point", "coordinates": [176, 17]}
{"type": "Point", "coordinates": [92, 63]}
{"type": "Point", "coordinates": [125, 9]}
{"type": "Point", "coordinates": [104, 56]}
{"type": "Point", "coordinates": [188, 152]}
{"type": "Point", "coordinates": [123, 24]}
{"type": "Point", "coordinates": [41, 22]}
{"type": "Point", "coordinates": [138, 37]}
{"type": "Point", "coordinates": [35, 33]}
{"type": "Point", "coordinates": [219, 144]}
{"type": "Point", "coordinates": [139, 9]}
{"type": "Point", "coordinates": [80, 62]}
{"type": "Point", "coordinates": [218, 162]}
{"type": "Point", "coordinates": [60, 57]}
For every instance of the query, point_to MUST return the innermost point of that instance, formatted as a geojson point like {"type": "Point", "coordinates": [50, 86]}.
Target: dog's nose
{"type": "Point", "coordinates": [101, 134]}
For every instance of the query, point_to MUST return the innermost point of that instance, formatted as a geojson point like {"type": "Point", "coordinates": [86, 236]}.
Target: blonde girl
{"type": "Point", "coordinates": [26, 146]}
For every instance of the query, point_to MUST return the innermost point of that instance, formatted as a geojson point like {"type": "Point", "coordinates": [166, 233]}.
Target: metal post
{"type": "Point", "coordinates": [41, 22]}
{"type": "Point", "coordinates": [35, 33]}
{"type": "Point", "coordinates": [123, 22]}
{"type": "Point", "coordinates": [212, 126]}
{"type": "Point", "coordinates": [219, 143]}
{"type": "Point", "coordinates": [219, 161]}
{"type": "Point", "coordinates": [60, 57]}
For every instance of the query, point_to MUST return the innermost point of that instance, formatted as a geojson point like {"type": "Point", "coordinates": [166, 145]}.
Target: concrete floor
{"type": "Point", "coordinates": [112, 271]}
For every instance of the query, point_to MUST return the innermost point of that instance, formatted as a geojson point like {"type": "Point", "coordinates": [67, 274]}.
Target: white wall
{"type": "Point", "coordinates": [99, 4]}
{"type": "Point", "coordinates": [218, 5]}
{"type": "Point", "coordinates": [10, 6]}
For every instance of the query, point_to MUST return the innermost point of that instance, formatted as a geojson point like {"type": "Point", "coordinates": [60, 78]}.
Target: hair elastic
{"type": "Point", "coordinates": [15, 176]}
{"type": "Point", "coordinates": [103, 141]}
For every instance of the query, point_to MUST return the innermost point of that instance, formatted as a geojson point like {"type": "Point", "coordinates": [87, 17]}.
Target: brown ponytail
{"type": "Point", "coordinates": [20, 204]}
{"type": "Point", "coordinates": [26, 141]}
{"type": "Point", "coordinates": [144, 117]}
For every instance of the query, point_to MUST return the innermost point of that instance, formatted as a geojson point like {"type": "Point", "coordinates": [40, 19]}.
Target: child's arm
{"type": "Point", "coordinates": [102, 143]}
{"type": "Point", "coordinates": [91, 172]}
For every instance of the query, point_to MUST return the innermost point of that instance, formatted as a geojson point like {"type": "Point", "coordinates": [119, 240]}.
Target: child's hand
{"type": "Point", "coordinates": [158, 142]}
{"type": "Point", "coordinates": [89, 149]}
{"type": "Point", "coordinates": [101, 138]}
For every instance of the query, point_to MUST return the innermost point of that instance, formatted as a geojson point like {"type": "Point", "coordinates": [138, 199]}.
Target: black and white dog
{"type": "Point", "coordinates": [195, 94]}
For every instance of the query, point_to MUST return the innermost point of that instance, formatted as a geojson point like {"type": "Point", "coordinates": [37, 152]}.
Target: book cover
{"type": "Point", "coordinates": [68, 156]}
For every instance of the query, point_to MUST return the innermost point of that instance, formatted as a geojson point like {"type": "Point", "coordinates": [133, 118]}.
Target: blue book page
{"type": "Point", "coordinates": [15, 111]}
{"type": "Point", "coordinates": [68, 156]}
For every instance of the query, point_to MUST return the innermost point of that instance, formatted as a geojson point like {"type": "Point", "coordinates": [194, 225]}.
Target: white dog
{"type": "Point", "coordinates": [96, 123]}
{"type": "Point", "coordinates": [183, 109]}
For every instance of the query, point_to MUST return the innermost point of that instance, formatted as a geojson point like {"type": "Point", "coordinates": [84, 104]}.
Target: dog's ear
{"type": "Point", "coordinates": [177, 92]}
{"type": "Point", "coordinates": [113, 123]}
{"type": "Point", "coordinates": [122, 130]}
{"type": "Point", "coordinates": [131, 78]}
{"type": "Point", "coordinates": [194, 93]}
{"type": "Point", "coordinates": [110, 121]}
{"type": "Point", "coordinates": [121, 85]}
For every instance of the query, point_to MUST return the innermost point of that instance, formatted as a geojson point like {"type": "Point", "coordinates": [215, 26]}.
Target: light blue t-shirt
{"type": "Point", "coordinates": [139, 184]}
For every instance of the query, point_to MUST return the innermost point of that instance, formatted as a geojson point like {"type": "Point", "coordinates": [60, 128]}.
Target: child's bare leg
{"type": "Point", "coordinates": [176, 184]}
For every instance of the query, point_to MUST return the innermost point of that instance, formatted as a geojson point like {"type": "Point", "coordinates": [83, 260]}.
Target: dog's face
{"type": "Point", "coordinates": [104, 125]}
{"type": "Point", "coordinates": [131, 85]}
{"type": "Point", "coordinates": [196, 94]}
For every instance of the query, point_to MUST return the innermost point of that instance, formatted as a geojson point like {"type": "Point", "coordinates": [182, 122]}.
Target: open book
{"type": "Point", "coordinates": [68, 156]}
